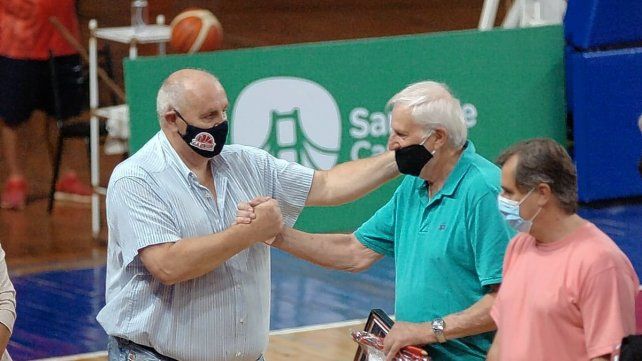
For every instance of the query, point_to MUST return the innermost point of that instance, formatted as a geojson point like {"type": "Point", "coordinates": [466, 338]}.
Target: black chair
{"type": "Point", "coordinates": [71, 80]}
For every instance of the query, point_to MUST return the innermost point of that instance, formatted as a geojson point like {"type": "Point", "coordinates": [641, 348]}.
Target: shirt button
{"type": "Point", "coordinates": [242, 320]}
{"type": "Point", "coordinates": [238, 354]}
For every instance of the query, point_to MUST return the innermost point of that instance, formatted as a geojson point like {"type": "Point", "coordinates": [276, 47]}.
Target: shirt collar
{"type": "Point", "coordinates": [173, 158]}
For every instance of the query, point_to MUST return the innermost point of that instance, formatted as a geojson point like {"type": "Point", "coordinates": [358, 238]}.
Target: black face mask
{"type": "Point", "coordinates": [207, 142]}
{"type": "Point", "coordinates": [412, 159]}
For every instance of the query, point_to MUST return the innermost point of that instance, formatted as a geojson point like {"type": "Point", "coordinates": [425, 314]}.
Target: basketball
{"type": "Point", "coordinates": [195, 30]}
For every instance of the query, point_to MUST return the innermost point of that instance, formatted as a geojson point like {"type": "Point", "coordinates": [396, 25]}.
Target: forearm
{"type": "Point", "coordinates": [190, 258]}
{"type": "Point", "coordinates": [337, 251]}
{"type": "Point", "coordinates": [472, 321]}
{"type": "Point", "coordinates": [5, 333]}
{"type": "Point", "coordinates": [493, 353]}
{"type": "Point", "coordinates": [351, 180]}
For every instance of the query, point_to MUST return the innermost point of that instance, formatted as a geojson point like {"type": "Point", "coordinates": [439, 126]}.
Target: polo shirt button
{"type": "Point", "coordinates": [238, 354]}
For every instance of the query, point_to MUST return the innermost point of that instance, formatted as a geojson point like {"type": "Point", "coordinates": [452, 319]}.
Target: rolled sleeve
{"type": "Point", "coordinates": [489, 236]}
{"type": "Point", "coordinates": [7, 295]}
{"type": "Point", "coordinates": [378, 233]}
{"type": "Point", "coordinates": [291, 188]}
{"type": "Point", "coordinates": [607, 303]}
{"type": "Point", "coordinates": [139, 216]}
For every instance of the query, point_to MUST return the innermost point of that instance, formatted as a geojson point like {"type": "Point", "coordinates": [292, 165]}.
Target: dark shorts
{"type": "Point", "coordinates": [27, 85]}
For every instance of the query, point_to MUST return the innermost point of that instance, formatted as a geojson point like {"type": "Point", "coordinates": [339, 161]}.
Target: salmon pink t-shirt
{"type": "Point", "coordinates": [26, 33]}
{"type": "Point", "coordinates": [573, 299]}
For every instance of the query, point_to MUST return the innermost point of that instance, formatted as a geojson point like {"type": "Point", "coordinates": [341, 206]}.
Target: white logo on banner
{"type": "Point", "coordinates": [292, 118]}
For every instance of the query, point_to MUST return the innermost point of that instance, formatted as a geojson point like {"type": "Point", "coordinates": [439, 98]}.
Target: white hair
{"type": "Point", "coordinates": [168, 95]}
{"type": "Point", "coordinates": [432, 106]}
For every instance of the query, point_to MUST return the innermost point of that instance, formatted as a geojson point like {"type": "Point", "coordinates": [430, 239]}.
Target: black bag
{"type": "Point", "coordinates": [631, 349]}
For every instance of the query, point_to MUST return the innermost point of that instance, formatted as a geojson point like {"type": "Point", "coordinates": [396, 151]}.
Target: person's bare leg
{"type": "Point", "coordinates": [10, 145]}
{"type": "Point", "coordinates": [14, 193]}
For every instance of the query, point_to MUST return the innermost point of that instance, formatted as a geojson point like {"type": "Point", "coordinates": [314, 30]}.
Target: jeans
{"type": "Point", "coordinates": [129, 351]}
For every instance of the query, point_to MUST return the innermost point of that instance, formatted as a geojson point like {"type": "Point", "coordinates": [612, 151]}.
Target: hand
{"type": "Point", "coordinates": [268, 222]}
{"type": "Point", "coordinates": [403, 334]}
{"type": "Point", "coordinates": [245, 211]}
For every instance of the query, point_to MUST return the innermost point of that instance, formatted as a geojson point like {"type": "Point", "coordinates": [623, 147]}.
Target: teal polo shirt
{"type": "Point", "coordinates": [447, 248]}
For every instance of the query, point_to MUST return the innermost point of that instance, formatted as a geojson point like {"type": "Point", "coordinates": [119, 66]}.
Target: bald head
{"type": "Point", "coordinates": [185, 89]}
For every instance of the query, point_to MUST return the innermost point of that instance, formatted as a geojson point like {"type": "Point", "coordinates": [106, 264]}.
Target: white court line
{"type": "Point", "coordinates": [323, 326]}
{"type": "Point", "coordinates": [77, 357]}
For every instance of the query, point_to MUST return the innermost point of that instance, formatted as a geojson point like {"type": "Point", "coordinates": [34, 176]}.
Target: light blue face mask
{"type": "Point", "coordinates": [510, 210]}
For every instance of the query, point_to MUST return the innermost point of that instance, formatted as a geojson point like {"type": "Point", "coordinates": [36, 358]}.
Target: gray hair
{"type": "Point", "coordinates": [432, 105]}
{"type": "Point", "coordinates": [168, 96]}
{"type": "Point", "coordinates": [542, 160]}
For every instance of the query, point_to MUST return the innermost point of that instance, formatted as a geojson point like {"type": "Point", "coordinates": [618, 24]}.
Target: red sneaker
{"type": "Point", "coordinates": [14, 194]}
{"type": "Point", "coordinates": [69, 187]}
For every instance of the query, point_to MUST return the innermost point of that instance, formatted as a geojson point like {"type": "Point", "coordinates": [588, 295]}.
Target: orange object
{"type": "Point", "coordinates": [71, 188]}
{"type": "Point", "coordinates": [26, 33]}
{"type": "Point", "coordinates": [195, 30]}
{"type": "Point", "coordinates": [14, 194]}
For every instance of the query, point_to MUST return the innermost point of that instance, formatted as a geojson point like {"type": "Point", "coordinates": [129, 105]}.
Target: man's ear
{"type": "Point", "coordinates": [545, 193]}
{"type": "Point", "coordinates": [170, 118]}
{"type": "Point", "coordinates": [441, 137]}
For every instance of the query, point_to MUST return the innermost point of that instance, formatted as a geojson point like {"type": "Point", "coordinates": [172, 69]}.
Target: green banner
{"type": "Point", "coordinates": [324, 103]}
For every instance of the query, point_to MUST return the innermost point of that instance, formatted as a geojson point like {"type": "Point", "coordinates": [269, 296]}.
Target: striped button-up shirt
{"type": "Point", "coordinates": [154, 198]}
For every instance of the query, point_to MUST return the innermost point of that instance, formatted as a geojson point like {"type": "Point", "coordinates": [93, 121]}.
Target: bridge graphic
{"type": "Point", "coordinates": [288, 140]}
{"type": "Point", "coordinates": [294, 119]}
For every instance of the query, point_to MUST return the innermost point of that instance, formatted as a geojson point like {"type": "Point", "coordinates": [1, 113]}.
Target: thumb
{"type": "Point", "coordinates": [258, 200]}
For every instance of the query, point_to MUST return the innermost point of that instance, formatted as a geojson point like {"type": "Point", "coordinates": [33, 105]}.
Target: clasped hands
{"type": "Point", "coordinates": [265, 210]}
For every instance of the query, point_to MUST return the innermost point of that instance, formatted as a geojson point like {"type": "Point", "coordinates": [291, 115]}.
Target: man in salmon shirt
{"type": "Point", "coordinates": [568, 291]}
{"type": "Point", "coordinates": [27, 41]}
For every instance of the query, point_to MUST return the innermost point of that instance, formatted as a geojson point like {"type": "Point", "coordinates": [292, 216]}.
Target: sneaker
{"type": "Point", "coordinates": [14, 194]}
{"type": "Point", "coordinates": [70, 188]}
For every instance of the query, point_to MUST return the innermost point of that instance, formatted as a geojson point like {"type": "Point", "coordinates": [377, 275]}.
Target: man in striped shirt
{"type": "Point", "coordinates": [183, 281]}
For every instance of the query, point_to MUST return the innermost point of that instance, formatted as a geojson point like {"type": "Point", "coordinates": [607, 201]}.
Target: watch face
{"type": "Point", "coordinates": [438, 324]}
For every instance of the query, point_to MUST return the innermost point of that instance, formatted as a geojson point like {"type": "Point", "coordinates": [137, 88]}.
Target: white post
{"type": "Point", "coordinates": [489, 12]}
{"type": "Point", "coordinates": [160, 20]}
{"type": "Point", "coordinates": [133, 51]}
{"type": "Point", "coordinates": [513, 17]}
{"type": "Point", "coordinates": [94, 129]}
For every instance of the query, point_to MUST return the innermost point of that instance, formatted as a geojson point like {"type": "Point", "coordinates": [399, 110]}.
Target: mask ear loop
{"type": "Point", "coordinates": [538, 210]}
{"type": "Point", "coordinates": [432, 131]}
{"type": "Point", "coordinates": [526, 196]}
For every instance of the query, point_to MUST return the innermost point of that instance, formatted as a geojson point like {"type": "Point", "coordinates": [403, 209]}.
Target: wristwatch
{"type": "Point", "coordinates": [438, 326]}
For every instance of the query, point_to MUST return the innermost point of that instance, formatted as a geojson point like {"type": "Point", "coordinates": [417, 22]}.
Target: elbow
{"type": "Point", "coordinates": [359, 260]}
{"type": "Point", "coordinates": [165, 277]}
{"type": "Point", "coordinates": [359, 265]}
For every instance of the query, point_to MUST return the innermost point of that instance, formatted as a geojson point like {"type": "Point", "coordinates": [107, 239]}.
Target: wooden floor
{"type": "Point", "coordinates": [326, 344]}
{"type": "Point", "coordinates": [36, 241]}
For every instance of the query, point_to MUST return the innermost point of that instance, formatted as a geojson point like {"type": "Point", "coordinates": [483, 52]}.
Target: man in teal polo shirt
{"type": "Point", "coordinates": [442, 226]}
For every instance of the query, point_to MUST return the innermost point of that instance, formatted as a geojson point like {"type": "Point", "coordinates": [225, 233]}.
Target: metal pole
{"type": "Point", "coordinates": [94, 129]}
{"type": "Point", "coordinates": [489, 12]}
